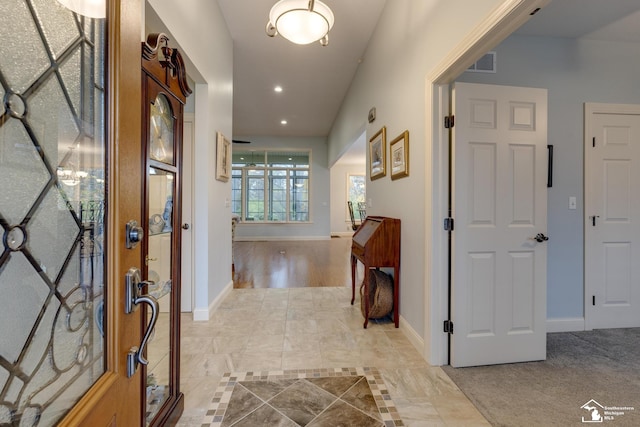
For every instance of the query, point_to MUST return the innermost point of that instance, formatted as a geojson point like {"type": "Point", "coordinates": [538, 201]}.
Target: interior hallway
{"type": "Point", "coordinates": [315, 326]}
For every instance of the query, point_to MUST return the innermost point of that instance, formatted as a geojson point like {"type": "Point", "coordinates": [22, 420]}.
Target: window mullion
{"type": "Point", "coordinates": [244, 194]}
{"type": "Point", "coordinates": [267, 199]}
{"type": "Point", "coordinates": [288, 195]}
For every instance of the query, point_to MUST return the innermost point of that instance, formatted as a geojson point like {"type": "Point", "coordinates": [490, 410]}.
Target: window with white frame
{"type": "Point", "coordinates": [271, 186]}
{"type": "Point", "coordinates": [356, 186]}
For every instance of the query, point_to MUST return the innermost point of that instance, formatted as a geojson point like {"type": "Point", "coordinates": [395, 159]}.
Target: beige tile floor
{"type": "Point", "coordinates": [271, 329]}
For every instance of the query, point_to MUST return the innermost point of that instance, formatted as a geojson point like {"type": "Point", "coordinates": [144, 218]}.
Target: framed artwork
{"type": "Point", "coordinates": [223, 158]}
{"type": "Point", "coordinates": [399, 153]}
{"type": "Point", "coordinates": [377, 154]}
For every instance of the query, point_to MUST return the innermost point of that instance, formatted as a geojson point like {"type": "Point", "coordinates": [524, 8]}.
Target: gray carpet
{"type": "Point", "coordinates": [603, 365]}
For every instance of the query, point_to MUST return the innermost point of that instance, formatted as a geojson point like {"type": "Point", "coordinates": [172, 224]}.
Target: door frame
{"type": "Point", "coordinates": [501, 23]}
{"type": "Point", "coordinates": [188, 180]}
{"type": "Point", "coordinates": [590, 109]}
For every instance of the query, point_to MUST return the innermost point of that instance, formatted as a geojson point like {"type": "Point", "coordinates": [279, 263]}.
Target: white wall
{"type": "Point", "coordinates": [411, 38]}
{"type": "Point", "coordinates": [318, 227]}
{"type": "Point", "coordinates": [574, 72]}
{"type": "Point", "coordinates": [340, 221]}
{"type": "Point", "coordinates": [210, 51]}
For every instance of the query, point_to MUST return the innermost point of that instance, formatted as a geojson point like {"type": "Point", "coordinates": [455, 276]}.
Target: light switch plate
{"type": "Point", "coordinates": [572, 202]}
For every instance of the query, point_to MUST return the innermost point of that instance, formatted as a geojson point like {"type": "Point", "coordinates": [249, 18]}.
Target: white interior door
{"type": "Point", "coordinates": [612, 207]}
{"type": "Point", "coordinates": [186, 300]}
{"type": "Point", "coordinates": [500, 204]}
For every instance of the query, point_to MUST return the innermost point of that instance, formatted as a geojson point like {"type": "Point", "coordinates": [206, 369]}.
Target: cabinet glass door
{"type": "Point", "coordinates": [160, 271]}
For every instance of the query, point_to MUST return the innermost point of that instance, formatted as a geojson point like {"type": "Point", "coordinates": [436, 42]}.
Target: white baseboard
{"type": "Point", "coordinates": [414, 338]}
{"type": "Point", "coordinates": [203, 314]}
{"type": "Point", "coordinates": [277, 238]}
{"type": "Point", "coordinates": [566, 324]}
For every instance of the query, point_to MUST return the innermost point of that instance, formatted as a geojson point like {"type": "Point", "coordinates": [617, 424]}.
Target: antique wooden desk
{"type": "Point", "coordinates": [376, 244]}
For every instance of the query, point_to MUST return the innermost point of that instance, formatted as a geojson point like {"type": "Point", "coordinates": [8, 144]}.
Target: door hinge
{"type": "Point", "coordinates": [448, 224]}
{"type": "Point", "coordinates": [594, 142]}
{"type": "Point", "coordinates": [449, 121]}
{"type": "Point", "coordinates": [448, 327]}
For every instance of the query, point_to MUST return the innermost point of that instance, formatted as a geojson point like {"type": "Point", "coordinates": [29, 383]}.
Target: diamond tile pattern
{"type": "Point", "coordinates": [302, 402]}
{"type": "Point", "coordinates": [354, 397]}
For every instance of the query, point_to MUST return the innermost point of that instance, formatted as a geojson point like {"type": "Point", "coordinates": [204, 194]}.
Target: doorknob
{"type": "Point", "coordinates": [539, 238]}
{"type": "Point", "coordinates": [133, 296]}
{"type": "Point", "coordinates": [185, 226]}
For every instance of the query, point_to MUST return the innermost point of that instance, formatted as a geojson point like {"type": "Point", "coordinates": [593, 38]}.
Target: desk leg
{"type": "Point", "coordinates": [365, 295]}
{"type": "Point", "coordinates": [354, 262]}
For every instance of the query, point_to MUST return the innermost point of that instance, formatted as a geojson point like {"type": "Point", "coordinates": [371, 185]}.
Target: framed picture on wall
{"type": "Point", "coordinates": [377, 154]}
{"type": "Point", "coordinates": [223, 158]}
{"type": "Point", "coordinates": [399, 153]}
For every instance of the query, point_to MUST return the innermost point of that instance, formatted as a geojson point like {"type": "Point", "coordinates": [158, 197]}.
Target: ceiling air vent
{"type": "Point", "coordinates": [486, 64]}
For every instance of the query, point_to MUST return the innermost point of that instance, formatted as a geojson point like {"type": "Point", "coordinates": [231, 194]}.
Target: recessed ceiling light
{"type": "Point", "coordinates": [278, 89]}
{"type": "Point", "coordinates": [283, 122]}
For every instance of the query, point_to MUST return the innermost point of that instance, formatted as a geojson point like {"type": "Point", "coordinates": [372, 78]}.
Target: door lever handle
{"type": "Point", "coordinates": [133, 296]}
{"type": "Point", "coordinates": [539, 238]}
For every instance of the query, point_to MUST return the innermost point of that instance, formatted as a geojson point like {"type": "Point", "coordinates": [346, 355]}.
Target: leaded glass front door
{"type": "Point", "coordinates": [59, 258]}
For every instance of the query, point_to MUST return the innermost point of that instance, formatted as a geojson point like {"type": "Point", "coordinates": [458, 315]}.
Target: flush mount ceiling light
{"type": "Point", "coordinates": [301, 21]}
{"type": "Point", "coordinates": [88, 8]}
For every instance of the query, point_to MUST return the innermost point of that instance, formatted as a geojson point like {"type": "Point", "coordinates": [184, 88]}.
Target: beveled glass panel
{"type": "Point", "coordinates": [160, 270]}
{"type": "Point", "coordinates": [14, 388]}
{"type": "Point", "coordinates": [161, 130]}
{"type": "Point", "coordinates": [22, 51]}
{"type": "Point", "coordinates": [15, 238]}
{"type": "Point", "coordinates": [52, 120]}
{"type": "Point", "coordinates": [54, 224]}
{"type": "Point", "coordinates": [19, 162]}
{"type": "Point", "coordinates": [4, 376]}
{"type": "Point", "coordinates": [20, 288]}
{"type": "Point", "coordinates": [2, 92]}
{"type": "Point", "coordinates": [70, 328]}
{"type": "Point", "coordinates": [58, 24]}
{"type": "Point", "coordinates": [52, 170]}
{"type": "Point", "coordinates": [70, 72]}
{"type": "Point", "coordinates": [36, 351]}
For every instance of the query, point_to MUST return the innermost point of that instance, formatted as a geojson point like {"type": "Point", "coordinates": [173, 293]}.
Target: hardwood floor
{"type": "Point", "coordinates": [293, 264]}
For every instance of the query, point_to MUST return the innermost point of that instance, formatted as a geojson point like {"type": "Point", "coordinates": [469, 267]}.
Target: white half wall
{"type": "Point", "coordinates": [209, 50]}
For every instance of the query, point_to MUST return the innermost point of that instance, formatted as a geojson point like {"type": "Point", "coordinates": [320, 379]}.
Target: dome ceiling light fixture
{"type": "Point", "coordinates": [301, 21]}
{"type": "Point", "coordinates": [89, 8]}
